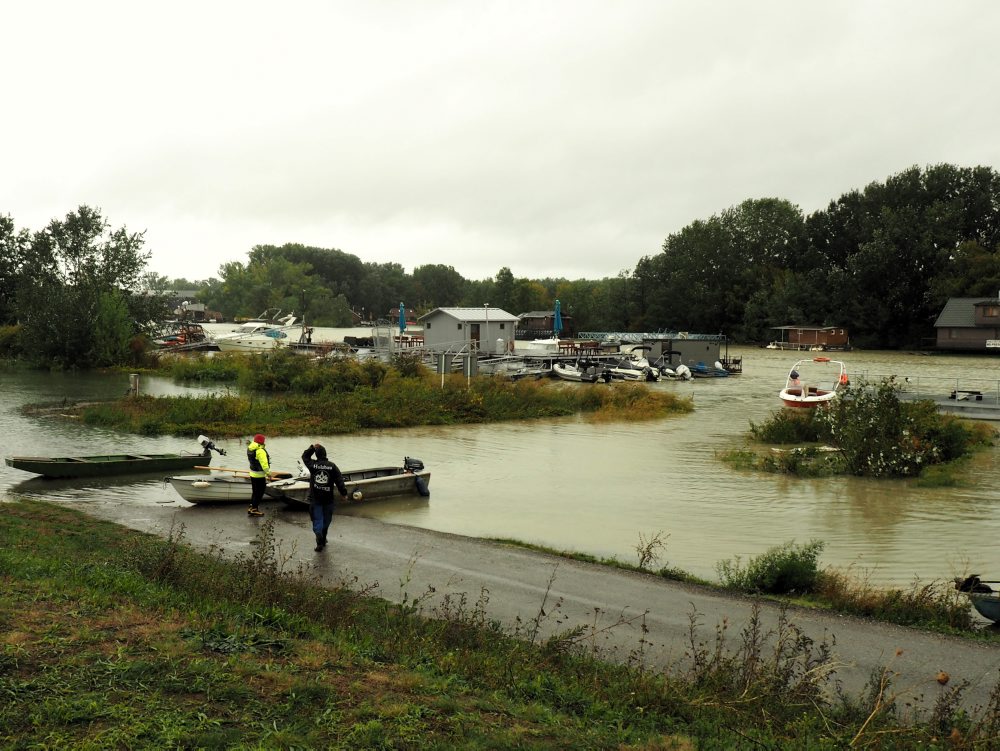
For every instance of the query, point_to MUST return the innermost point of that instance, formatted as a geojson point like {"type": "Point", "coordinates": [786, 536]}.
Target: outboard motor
{"type": "Point", "coordinates": [209, 446]}
{"type": "Point", "coordinates": [415, 465]}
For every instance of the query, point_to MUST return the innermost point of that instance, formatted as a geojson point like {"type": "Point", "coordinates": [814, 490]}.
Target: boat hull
{"type": "Point", "coordinates": [790, 398]}
{"type": "Point", "coordinates": [987, 605]}
{"type": "Point", "coordinates": [106, 465]}
{"type": "Point", "coordinates": [374, 484]}
{"type": "Point", "coordinates": [212, 488]}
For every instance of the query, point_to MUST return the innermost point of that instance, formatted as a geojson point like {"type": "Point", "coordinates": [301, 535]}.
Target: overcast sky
{"type": "Point", "coordinates": [566, 138]}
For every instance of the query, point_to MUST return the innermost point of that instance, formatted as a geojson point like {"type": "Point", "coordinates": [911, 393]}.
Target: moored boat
{"type": "Point", "coordinates": [231, 486]}
{"type": "Point", "coordinates": [582, 372]}
{"type": "Point", "coordinates": [813, 382]}
{"type": "Point", "coordinates": [983, 597]}
{"type": "Point", "coordinates": [362, 484]}
{"type": "Point", "coordinates": [212, 488]}
{"type": "Point", "coordinates": [104, 465]}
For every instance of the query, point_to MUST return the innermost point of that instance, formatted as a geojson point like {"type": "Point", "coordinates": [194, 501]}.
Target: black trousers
{"type": "Point", "coordinates": [258, 484]}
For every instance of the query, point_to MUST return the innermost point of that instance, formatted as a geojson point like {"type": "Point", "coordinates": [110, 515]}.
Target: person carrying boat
{"type": "Point", "coordinates": [324, 475]}
{"type": "Point", "coordinates": [260, 468]}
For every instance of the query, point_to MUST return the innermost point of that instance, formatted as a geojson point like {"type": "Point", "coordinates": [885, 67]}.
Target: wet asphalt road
{"type": "Point", "coordinates": [610, 604]}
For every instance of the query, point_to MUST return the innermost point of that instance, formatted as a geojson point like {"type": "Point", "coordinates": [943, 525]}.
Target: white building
{"type": "Point", "coordinates": [485, 330]}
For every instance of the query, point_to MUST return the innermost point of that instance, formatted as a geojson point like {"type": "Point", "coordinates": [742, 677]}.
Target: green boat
{"type": "Point", "coordinates": [105, 465]}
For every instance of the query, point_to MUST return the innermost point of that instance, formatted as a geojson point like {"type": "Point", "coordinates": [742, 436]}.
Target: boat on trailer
{"type": "Point", "coordinates": [371, 484]}
{"type": "Point", "coordinates": [814, 382]}
{"type": "Point", "coordinates": [106, 465]}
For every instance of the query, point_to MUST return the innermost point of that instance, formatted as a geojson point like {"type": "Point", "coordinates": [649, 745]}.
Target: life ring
{"type": "Point", "coordinates": [821, 359]}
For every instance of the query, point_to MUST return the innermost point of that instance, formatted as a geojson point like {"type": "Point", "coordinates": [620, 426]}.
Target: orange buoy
{"type": "Point", "coordinates": [843, 378]}
{"type": "Point", "coordinates": [821, 359]}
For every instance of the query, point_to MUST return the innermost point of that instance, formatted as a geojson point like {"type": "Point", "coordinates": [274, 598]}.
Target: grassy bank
{"type": "Point", "coordinates": [116, 639]}
{"type": "Point", "coordinates": [392, 401]}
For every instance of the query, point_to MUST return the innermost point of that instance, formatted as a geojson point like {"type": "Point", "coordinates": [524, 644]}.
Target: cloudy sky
{"type": "Point", "coordinates": [559, 138]}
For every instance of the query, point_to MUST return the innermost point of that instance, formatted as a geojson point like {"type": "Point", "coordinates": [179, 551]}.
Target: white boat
{"type": "Point", "coordinates": [537, 347]}
{"type": "Point", "coordinates": [635, 367]}
{"type": "Point", "coordinates": [582, 372]}
{"type": "Point", "coordinates": [681, 373]}
{"type": "Point", "coordinates": [257, 336]}
{"type": "Point", "coordinates": [212, 488]}
{"type": "Point", "coordinates": [812, 382]}
{"type": "Point", "coordinates": [231, 487]}
{"type": "Point", "coordinates": [362, 484]}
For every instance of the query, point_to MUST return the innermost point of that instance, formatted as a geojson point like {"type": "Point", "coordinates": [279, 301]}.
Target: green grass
{"type": "Point", "coordinates": [110, 638]}
{"type": "Point", "coordinates": [395, 402]}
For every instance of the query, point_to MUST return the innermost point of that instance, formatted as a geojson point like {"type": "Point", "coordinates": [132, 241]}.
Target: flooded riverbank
{"type": "Point", "coordinates": [596, 487]}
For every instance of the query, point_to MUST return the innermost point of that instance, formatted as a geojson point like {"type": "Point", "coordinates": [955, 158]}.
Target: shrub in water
{"type": "Point", "coordinates": [781, 570]}
{"type": "Point", "coordinates": [786, 426]}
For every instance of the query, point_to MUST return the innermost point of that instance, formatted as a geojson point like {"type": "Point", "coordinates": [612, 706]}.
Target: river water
{"type": "Point", "coordinates": [597, 487]}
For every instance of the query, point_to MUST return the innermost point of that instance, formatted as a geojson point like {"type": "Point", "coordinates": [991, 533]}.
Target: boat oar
{"type": "Point", "coordinates": [271, 475]}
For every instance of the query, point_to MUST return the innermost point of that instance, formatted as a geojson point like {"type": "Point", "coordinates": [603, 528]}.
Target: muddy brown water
{"type": "Point", "coordinates": [598, 488]}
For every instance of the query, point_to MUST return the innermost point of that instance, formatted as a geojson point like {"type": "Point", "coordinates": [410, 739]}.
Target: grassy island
{"type": "Point", "coordinates": [281, 392]}
{"type": "Point", "coordinates": [868, 432]}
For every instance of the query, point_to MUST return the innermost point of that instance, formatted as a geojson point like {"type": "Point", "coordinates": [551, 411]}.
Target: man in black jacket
{"type": "Point", "coordinates": [324, 475]}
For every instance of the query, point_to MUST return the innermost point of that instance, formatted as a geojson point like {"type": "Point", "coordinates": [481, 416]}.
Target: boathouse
{"type": "Point", "coordinates": [540, 324]}
{"type": "Point", "coordinates": [970, 324]}
{"type": "Point", "coordinates": [811, 337]}
{"type": "Point", "coordinates": [485, 330]}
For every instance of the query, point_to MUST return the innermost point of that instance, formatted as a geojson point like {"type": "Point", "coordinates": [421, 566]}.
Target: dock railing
{"type": "Point", "coordinates": [985, 390]}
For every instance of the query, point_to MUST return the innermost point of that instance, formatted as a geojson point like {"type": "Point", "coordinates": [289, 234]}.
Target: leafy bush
{"type": "Point", "coordinates": [880, 436]}
{"type": "Point", "coordinates": [783, 569]}
{"type": "Point", "coordinates": [786, 426]}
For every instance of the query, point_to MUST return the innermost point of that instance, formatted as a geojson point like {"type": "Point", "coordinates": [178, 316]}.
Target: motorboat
{"type": "Point", "coordinates": [371, 484]}
{"type": "Point", "coordinates": [255, 336]}
{"type": "Point", "coordinates": [635, 367]}
{"type": "Point", "coordinates": [106, 465]}
{"type": "Point", "coordinates": [681, 373]}
{"type": "Point", "coordinates": [812, 382]}
{"type": "Point", "coordinates": [716, 370]}
{"type": "Point", "coordinates": [983, 597]}
{"type": "Point", "coordinates": [582, 372]}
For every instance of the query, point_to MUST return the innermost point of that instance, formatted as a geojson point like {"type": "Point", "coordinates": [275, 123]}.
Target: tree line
{"type": "Point", "coordinates": [880, 261]}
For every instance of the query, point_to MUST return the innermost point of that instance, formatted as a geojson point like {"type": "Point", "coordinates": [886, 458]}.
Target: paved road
{"type": "Point", "coordinates": [406, 562]}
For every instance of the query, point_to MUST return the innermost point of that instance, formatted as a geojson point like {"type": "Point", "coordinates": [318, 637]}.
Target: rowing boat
{"type": "Point", "coordinates": [104, 465]}
{"type": "Point", "coordinates": [362, 485]}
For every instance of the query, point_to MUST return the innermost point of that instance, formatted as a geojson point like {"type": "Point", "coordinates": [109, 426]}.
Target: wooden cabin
{"type": "Point", "coordinates": [969, 324]}
{"type": "Point", "coordinates": [811, 338]}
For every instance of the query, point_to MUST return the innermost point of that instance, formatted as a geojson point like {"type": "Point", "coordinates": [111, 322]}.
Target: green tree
{"type": "Point", "coordinates": [13, 246]}
{"type": "Point", "coordinates": [437, 286]}
{"type": "Point", "coordinates": [77, 292]}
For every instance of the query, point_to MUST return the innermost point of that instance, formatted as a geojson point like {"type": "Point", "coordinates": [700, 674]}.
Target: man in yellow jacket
{"type": "Point", "coordinates": [260, 468]}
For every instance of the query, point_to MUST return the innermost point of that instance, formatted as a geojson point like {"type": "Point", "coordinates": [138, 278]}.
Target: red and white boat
{"type": "Point", "coordinates": [813, 382]}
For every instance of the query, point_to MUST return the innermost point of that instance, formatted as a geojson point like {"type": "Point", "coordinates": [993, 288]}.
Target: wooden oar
{"type": "Point", "coordinates": [272, 475]}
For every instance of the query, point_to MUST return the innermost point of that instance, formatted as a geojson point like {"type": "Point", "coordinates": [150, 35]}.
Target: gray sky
{"type": "Point", "coordinates": [564, 138]}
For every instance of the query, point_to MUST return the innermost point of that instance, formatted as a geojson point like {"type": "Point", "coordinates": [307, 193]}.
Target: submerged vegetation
{"type": "Point", "coordinates": [281, 392]}
{"type": "Point", "coordinates": [869, 432]}
{"type": "Point", "coordinates": [116, 639]}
